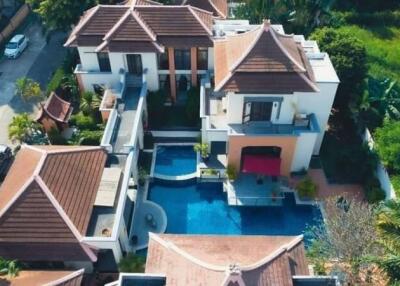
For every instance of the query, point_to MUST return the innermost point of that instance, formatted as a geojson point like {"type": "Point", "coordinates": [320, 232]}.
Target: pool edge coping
{"type": "Point", "coordinates": [167, 177]}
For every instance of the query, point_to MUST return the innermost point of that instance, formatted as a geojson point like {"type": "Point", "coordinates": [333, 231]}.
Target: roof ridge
{"type": "Point", "coordinates": [217, 9]}
{"type": "Point", "coordinates": [74, 149]}
{"type": "Point", "coordinates": [284, 50]}
{"type": "Point", "coordinates": [172, 246]}
{"type": "Point", "coordinates": [16, 196]}
{"type": "Point", "coordinates": [241, 59]}
{"type": "Point", "coordinates": [191, 9]}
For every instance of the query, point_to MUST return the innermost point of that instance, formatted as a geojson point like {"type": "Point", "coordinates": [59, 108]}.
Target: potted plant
{"type": "Point", "coordinates": [307, 189]}
{"type": "Point", "coordinates": [202, 148]}
{"type": "Point", "coordinates": [142, 174]}
{"type": "Point", "coordinates": [231, 173]}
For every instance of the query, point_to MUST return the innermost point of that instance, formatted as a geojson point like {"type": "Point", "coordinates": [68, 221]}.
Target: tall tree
{"type": "Point", "coordinates": [349, 57]}
{"type": "Point", "coordinates": [60, 14]}
{"type": "Point", "coordinates": [27, 88]}
{"type": "Point", "coordinates": [298, 16]}
{"type": "Point", "coordinates": [346, 237]}
{"type": "Point", "coordinates": [22, 128]}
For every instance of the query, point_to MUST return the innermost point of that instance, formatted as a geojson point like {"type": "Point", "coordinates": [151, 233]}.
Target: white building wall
{"type": "Point", "coordinates": [235, 107]}
{"type": "Point", "coordinates": [320, 104]}
{"type": "Point", "coordinates": [149, 61]}
{"type": "Point", "coordinates": [304, 150]}
{"type": "Point", "coordinates": [91, 75]}
{"type": "Point", "coordinates": [88, 58]}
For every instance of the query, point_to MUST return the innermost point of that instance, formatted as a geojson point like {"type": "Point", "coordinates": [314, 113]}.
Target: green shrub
{"type": "Point", "coordinates": [56, 80]}
{"type": "Point", "coordinates": [306, 188]}
{"type": "Point", "coordinates": [192, 107]}
{"type": "Point", "coordinates": [231, 172]}
{"type": "Point", "coordinates": [202, 148]}
{"type": "Point", "coordinates": [56, 138]}
{"type": "Point", "coordinates": [349, 57]}
{"type": "Point", "coordinates": [155, 107]}
{"type": "Point", "coordinates": [132, 263]}
{"type": "Point", "coordinates": [90, 138]}
{"type": "Point", "coordinates": [83, 122]}
{"type": "Point", "coordinates": [388, 18]}
{"type": "Point", "coordinates": [387, 139]}
{"type": "Point", "coordinates": [373, 190]}
{"type": "Point", "coordinates": [395, 180]}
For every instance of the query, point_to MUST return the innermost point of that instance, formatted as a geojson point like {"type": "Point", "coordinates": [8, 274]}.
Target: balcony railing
{"type": "Point", "coordinates": [268, 128]}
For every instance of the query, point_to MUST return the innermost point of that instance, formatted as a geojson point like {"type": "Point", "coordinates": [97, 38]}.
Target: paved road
{"type": "Point", "coordinates": [38, 62]}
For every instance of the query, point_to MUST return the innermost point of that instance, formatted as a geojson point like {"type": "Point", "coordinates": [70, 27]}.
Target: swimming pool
{"type": "Point", "coordinates": [175, 161]}
{"type": "Point", "coordinates": [201, 208]}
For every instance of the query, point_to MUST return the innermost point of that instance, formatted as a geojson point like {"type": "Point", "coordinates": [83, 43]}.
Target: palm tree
{"type": "Point", "coordinates": [27, 88]}
{"type": "Point", "coordinates": [9, 267]}
{"type": "Point", "coordinates": [22, 128]}
{"type": "Point", "coordinates": [90, 102]}
{"type": "Point", "coordinates": [388, 225]}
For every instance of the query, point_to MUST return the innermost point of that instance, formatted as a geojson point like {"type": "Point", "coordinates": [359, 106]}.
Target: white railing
{"type": "Point", "coordinates": [137, 127]}
{"type": "Point", "coordinates": [109, 131]}
{"type": "Point", "coordinates": [381, 172]}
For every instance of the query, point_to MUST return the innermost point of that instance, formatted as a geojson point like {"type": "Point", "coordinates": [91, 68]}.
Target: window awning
{"type": "Point", "coordinates": [261, 164]}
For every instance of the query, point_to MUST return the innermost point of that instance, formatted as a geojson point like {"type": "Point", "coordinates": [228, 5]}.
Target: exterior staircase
{"type": "Point", "coordinates": [133, 80]}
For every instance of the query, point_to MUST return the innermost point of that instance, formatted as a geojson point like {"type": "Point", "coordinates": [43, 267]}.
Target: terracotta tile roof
{"type": "Point", "coordinates": [209, 260]}
{"type": "Point", "coordinates": [219, 8]}
{"type": "Point", "coordinates": [48, 195]}
{"type": "Point", "coordinates": [276, 58]}
{"type": "Point", "coordinates": [113, 28]}
{"type": "Point", "coordinates": [44, 277]}
{"type": "Point", "coordinates": [56, 108]}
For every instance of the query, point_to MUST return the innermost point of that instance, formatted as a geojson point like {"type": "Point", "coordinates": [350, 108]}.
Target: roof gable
{"type": "Point", "coordinates": [76, 191]}
{"type": "Point", "coordinates": [219, 8]}
{"type": "Point", "coordinates": [106, 23]}
{"type": "Point", "coordinates": [265, 54]}
{"type": "Point", "coordinates": [33, 218]}
{"type": "Point", "coordinates": [219, 260]}
{"type": "Point", "coordinates": [69, 174]}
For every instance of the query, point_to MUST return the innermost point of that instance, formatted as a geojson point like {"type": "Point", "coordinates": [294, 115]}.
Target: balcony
{"type": "Point", "coordinates": [307, 125]}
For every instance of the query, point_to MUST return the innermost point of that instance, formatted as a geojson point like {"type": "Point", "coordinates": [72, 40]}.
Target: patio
{"type": "Point", "coordinates": [253, 190]}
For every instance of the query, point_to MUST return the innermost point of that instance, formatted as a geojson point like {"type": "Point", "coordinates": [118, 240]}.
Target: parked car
{"type": "Point", "coordinates": [6, 159]}
{"type": "Point", "coordinates": [16, 46]}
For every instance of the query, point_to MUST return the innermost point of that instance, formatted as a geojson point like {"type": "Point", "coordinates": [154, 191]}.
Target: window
{"type": "Point", "coordinates": [104, 62]}
{"type": "Point", "coordinates": [182, 59]}
{"type": "Point", "coordinates": [202, 58]}
{"type": "Point", "coordinates": [165, 84]}
{"type": "Point", "coordinates": [163, 62]}
{"type": "Point", "coordinates": [257, 111]}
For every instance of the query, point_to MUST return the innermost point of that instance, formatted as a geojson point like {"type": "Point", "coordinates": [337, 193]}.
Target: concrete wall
{"type": "Point", "coordinates": [304, 150]}
{"type": "Point", "coordinates": [211, 59]}
{"type": "Point", "coordinates": [287, 143]}
{"type": "Point", "coordinates": [320, 104]}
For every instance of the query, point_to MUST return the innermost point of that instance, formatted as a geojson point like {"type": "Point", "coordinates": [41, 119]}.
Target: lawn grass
{"type": "Point", "coordinates": [383, 49]}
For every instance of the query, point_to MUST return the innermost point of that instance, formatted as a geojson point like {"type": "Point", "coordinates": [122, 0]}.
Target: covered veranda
{"type": "Point", "coordinates": [259, 182]}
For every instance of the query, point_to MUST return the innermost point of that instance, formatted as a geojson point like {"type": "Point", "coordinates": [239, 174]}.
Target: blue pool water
{"type": "Point", "coordinates": [175, 160]}
{"type": "Point", "coordinates": [201, 208]}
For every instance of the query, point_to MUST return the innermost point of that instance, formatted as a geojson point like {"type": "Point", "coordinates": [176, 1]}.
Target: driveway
{"type": "Point", "coordinates": [38, 62]}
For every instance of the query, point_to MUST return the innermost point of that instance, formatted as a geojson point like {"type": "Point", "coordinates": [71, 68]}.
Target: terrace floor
{"type": "Point", "coordinates": [326, 190]}
{"type": "Point", "coordinates": [248, 190]}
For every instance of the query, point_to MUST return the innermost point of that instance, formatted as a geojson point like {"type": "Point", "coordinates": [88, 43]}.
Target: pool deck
{"type": "Point", "coordinates": [246, 191]}
{"type": "Point", "coordinates": [141, 226]}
